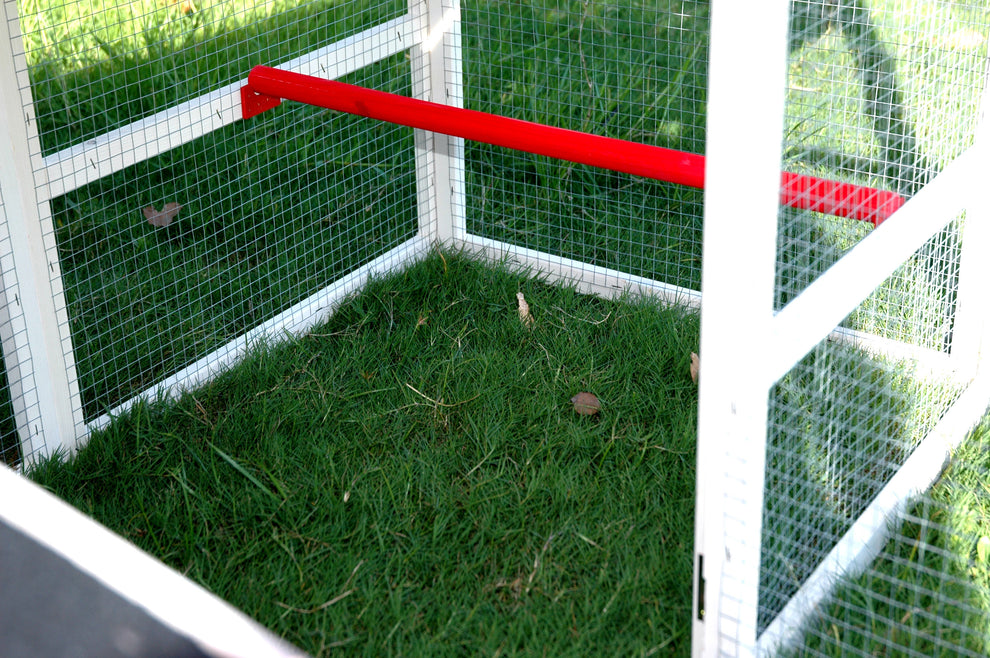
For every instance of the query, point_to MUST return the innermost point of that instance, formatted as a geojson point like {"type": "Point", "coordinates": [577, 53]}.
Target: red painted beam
{"type": "Point", "coordinates": [797, 191]}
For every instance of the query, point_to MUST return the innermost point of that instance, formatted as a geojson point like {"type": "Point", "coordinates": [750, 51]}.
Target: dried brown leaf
{"type": "Point", "coordinates": [163, 217]}
{"type": "Point", "coordinates": [695, 367]}
{"type": "Point", "coordinates": [524, 315]}
{"type": "Point", "coordinates": [586, 404]}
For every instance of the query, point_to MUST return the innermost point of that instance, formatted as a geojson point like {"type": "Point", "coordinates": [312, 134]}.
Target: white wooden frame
{"type": "Point", "coordinates": [36, 342]}
{"type": "Point", "coordinates": [732, 411]}
{"type": "Point", "coordinates": [743, 172]}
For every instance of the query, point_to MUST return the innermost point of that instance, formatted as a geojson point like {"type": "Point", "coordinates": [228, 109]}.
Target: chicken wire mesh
{"type": "Point", "coordinates": [885, 94]}
{"type": "Point", "coordinates": [18, 397]}
{"type": "Point", "coordinates": [620, 69]}
{"type": "Point", "coordinates": [168, 259]}
{"type": "Point", "coordinates": [880, 94]}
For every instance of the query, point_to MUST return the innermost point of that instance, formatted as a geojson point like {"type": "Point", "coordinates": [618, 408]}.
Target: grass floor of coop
{"type": "Point", "coordinates": [411, 478]}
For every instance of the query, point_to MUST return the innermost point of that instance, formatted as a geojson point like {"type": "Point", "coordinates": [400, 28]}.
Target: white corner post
{"type": "Point", "coordinates": [437, 77]}
{"type": "Point", "coordinates": [747, 79]}
{"type": "Point", "coordinates": [37, 346]}
{"type": "Point", "coordinates": [970, 339]}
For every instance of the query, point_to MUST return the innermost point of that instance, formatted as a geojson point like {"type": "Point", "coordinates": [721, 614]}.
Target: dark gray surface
{"type": "Point", "coordinates": [48, 608]}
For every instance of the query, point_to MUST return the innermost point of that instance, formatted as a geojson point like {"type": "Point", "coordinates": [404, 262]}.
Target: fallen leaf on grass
{"type": "Point", "coordinates": [163, 217]}
{"type": "Point", "coordinates": [695, 367]}
{"type": "Point", "coordinates": [524, 315]}
{"type": "Point", "coordinates": [586, 404]}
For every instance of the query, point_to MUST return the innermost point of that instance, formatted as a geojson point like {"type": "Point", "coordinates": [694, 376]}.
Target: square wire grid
{"type": "Point", "coordinates": [841, 424]}
{"type": "Point", "coordinates": [22, 397]}
{"type": "Point", "coordinates": [97, 65]}
{"type": "Point", "coordinates": [171, 258]}
{"type": "Point", "coordinates": [627, 70]}
{"type": "Point", "coordinates": [884, 94]}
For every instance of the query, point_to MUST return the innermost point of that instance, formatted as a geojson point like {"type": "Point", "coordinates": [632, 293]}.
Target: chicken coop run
{"type": "Point", "coordinates": [181, 179]}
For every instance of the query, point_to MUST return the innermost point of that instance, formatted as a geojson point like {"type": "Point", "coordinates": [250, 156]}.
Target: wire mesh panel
{"type": "Point", "coordinates": [871, 353]}
{"type": "Point", "coordinates": [888, 94]}
{"type": "Point", "coordinates": [842, 423]}
{"type": "Point", "coordinates": [94, 71]}
{"type": "Point", "coordinates": [13, 447]}
{"type": "Point", "coordinates": [629, 70]}
{"type": "Point", "coordinates": [179, 230]}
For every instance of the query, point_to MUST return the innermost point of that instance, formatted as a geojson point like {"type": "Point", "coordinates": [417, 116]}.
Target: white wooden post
{"type": "Point", "coordinates": [436, 68]}
{"type": "Point", "coordinates": [747, 78]}
{"type": "Point", "coordinates": [970, 325]}
{"type": "Point", "coordinates": [36, 341]}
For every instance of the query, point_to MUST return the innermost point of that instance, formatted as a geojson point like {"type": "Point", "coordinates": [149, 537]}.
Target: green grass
{"type": "Point", "coordinates": [95, 67]}
{"type": "Point", "coordinates": [267, 220]}
{"type": "Point", "coordinates": [416, 461]}
{"type": "Point", "coordinates": [277, 207]}
{"type": "Point", "coordinates": [928, 592]}
{"type": "Point", "coordinates": [594, 67]}
{"type": "Point", "coordinates": [841, 425]}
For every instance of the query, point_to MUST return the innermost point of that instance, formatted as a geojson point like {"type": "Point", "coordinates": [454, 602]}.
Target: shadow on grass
{"type": "Point", "coordinates": [928, 592]}
{"type": "Point", "coordinates": [273, 209]}
{"type": "Point", "coordinates": [842, 424]}
{"type": "Point", "coordinates": [899, 163]}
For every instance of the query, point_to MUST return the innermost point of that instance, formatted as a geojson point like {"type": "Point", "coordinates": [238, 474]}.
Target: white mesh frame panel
{"type": "Point", "coordinates": [40, 369]}
{"type": "Point", "coordinates": [875, 372]}
{"type": "Point", "coordinates": [130, 141]}
{"type": "Point", "coordinates": [150, 237]}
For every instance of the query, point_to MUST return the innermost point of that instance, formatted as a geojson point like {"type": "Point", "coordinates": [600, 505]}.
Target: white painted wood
{"type": "Point", "coordinates": [424, 141]}
{"type": "Point", "coordinates": [810, 316]}
{"type": "Point", "coordinates": [864, 540]}
{"type": "Point", "coordinates": [214, 625]}
{"type": "Point", "coordinates": [13, 338]}
{"type": "Point", "coordinates": [971, 325]}
{"type": "Point", "coordinates": [588, 279]}
{"type": "Point", "coordinates": [294, 322]}
{"type": "Point", "coordinates": [101, 156]}
{"type": "Point", "coordinates": [453, 212]}
{"type": "Point", "coordinates": [739, 254]}
{"type": "Point", "coordinates": [36, 341]}
{"type": "Point", "coordinates": [439, 158]}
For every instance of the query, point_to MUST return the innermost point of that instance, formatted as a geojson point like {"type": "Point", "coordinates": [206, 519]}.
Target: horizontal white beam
{"type": "Point", "coordinates": [609, 283]}
{"type": "Point", "coordinates": [101, 156]}
{"type": "Point", "coordinates": [866, 537]}
{"type": "Point", "coordinates": [293, 321]}
{"type": "Point", "coordinates": [588, 279]}
{"type": "Point", "coordinates": [212, 624]}
{"type": "Point", "coordinates": [813, 314]}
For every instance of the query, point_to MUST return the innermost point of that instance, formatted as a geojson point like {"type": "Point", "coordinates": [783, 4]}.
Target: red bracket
{"type": "Point", "coordinates": [254, 103]}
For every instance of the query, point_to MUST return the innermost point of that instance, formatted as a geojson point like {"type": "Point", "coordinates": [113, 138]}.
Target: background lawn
{"type": "Point", "coordinates": [468, 524]}
{"type": "Point", "coordinates": [416, 461]}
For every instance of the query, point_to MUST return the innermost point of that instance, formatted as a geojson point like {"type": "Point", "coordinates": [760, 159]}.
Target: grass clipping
{"type": "Point", "coordinates": [410, 477]}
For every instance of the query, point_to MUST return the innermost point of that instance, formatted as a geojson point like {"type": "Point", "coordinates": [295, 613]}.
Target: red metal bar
{"type": "Point", "coordinates": [797, 191]}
